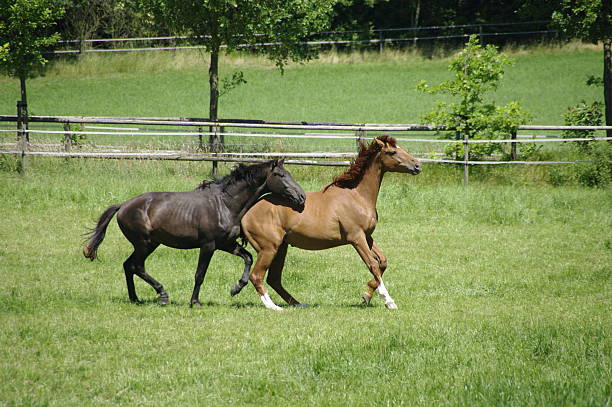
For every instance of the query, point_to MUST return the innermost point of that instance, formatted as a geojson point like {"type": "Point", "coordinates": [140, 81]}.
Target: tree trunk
{"type": "Point", "coordinates": [22, 83]}
{"type": "Point", "coordinates": [607, 75]}
{"type": "Point", "coordinates": [24, 104]}
{"type": "Point", "coordinates": [213, 79]}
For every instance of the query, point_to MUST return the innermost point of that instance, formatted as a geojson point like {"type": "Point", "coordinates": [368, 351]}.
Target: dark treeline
{"type": "Point", "coordinates": [382, 14]}
{"type": "Point", "coordinates": [133, 18]}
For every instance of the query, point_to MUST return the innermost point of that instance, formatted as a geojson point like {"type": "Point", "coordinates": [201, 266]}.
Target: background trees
{"type": "Point", "coordinates": [591, 20]}
{"type": "Point", "coordinates": [26, 33]}
{"type": "Point", "coordinates": [233, 25]}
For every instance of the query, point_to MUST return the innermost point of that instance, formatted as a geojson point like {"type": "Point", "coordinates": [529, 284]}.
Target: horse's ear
{"type": "Point", "coordinates": [379, 142]}
{"type": "Point", "coordinates": [280, 162]}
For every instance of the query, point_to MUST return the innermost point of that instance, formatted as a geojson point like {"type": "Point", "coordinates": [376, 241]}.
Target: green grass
{"type": "Point", "coordinates": [346, 88]}
{"type": "Point", "coordinates": [356, 87]}
{"type": "Point", "coordinates": [504, 296]}
{"type": "Point", "coordinates": [503, 287]}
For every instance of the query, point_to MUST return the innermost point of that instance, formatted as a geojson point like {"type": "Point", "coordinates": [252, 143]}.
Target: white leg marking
{"type": "Point", "coordinates": [389, 302]}
{"type": "Point", "coordinates": [268, 303]}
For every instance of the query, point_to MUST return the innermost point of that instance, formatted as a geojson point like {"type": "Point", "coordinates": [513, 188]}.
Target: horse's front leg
{"type": "Point", "coordinates": [206, 253]}
{"type": "Point", "coordinates": [265, 256]}
{"type": "Point", "coordinates": [371, 257]}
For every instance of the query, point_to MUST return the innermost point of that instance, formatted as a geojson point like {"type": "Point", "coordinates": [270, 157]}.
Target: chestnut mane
{"type": "Point", "coordinates": [353, 175]}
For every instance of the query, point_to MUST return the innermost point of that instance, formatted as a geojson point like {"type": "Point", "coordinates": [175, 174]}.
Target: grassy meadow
{"type": "Point", "coordinates": [504, 296]}
{"type": "Point", "coordinates": [504, 288]}
{"type": "Point", "coordinates": [356, 87]}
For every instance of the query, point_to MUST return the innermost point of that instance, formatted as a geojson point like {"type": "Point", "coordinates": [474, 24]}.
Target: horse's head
{"type": "Point", "coordinates": [394, 158]}
{"type": "Point", "coordinates": [281, 183]}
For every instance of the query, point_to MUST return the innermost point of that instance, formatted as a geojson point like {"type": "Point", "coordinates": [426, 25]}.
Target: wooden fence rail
{"type": "Point", "coordinates": [217, 133]}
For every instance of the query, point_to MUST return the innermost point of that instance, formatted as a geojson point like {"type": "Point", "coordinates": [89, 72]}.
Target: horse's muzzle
{"type": "Point", "coordinates": [417, 169]}
{"type": "Point", "coordinates": [298, 198]}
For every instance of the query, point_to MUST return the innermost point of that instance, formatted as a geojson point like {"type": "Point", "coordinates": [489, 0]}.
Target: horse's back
{"type": "Point", "coordinates": [176, 219]}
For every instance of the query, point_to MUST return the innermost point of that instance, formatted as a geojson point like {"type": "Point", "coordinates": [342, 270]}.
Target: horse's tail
{"type": "Point", "coordinates": [97, 233]}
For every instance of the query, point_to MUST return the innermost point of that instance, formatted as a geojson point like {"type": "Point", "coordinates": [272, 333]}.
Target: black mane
{"type": "Point", "coordinates": [248, 173]}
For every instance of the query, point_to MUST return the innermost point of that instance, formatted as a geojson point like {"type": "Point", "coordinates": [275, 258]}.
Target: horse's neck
{"type": "Point", "coordinates": [369, 187]}
{"type": "Point", "coordinates": [241, 196]}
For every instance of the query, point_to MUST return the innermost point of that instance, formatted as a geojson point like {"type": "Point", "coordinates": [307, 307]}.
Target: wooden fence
{"type": "Point", "coordinates": [213, 149]}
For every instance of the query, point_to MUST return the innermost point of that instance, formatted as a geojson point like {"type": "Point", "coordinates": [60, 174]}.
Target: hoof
{"type": "Point", "coordinates": [164, 300]}
{"type": "Point", "coordinates": [366, 298]}
{"type": "Point", "coordinates": [300, 305]}
{"type": "Point", "coordinates": [195, 304]}
{"type": "Point", "coordinates": [391, 305]}
{"type": "Point", "coordinates": [235, 289]}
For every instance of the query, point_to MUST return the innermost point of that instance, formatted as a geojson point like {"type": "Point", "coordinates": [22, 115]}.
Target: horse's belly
{"type": "Point", "coordinates": [310, 243]}
{"type": "Point", "coordinates": [175, 241]}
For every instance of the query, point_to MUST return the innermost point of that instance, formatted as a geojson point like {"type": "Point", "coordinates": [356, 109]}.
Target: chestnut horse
{"type": "Point", "coordinates": [343, 212]}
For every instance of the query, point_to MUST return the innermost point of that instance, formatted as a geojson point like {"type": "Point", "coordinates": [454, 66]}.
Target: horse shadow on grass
{"type": "Point", "coordinates": [154, 301]}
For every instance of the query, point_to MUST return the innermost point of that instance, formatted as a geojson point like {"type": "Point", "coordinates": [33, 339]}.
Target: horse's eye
{"type": "Point", "coordinates": [279, 174]}
{"type": "Point", "coordinates": [393, 152]}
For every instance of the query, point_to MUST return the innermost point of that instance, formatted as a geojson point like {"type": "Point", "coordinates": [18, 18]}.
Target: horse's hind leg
{"type": "Point", "coordinates": [275, 273]}
{"type": "Point", "coordinates": [382, 265]}
{"type": "Point", "coordinates": [135, 265]}
{"type": "Point", "coordinates": [241, 252]}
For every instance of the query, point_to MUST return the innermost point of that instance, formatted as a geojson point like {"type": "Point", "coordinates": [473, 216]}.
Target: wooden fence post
{"type": "Point", "coordinates": [466, 154]}
{"type": "Point", "coordinates": [67, 137]}
{"type": "Point", "coordinates": [222, 138]}
{"type": "Point", "coordinates": [200, 131]}
{"type": "Point", "coordinates": [360, 135]}
{"type": "Point", "coordinates": [213, 141]}
{"type": "Point", "coordinates": [513, 146]}
{"type": "Point", "coordinates": [22, 134]}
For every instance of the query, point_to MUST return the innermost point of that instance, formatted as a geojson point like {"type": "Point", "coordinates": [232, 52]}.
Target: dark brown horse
{"type": "Point", "coordinates": [207, 218]}
{"type": "Point", "coordinates": [343, 212]}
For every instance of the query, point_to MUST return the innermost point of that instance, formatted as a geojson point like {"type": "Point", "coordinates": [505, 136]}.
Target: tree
{"type": "Point", "coordinates": [477, 71]}
{"type": "Point", "coordinates": [591, 20]}
{"type": "Point", "coordinates": [234, 25]}
{"type": "Point", "coordinates": [25, 35]}
{"type": "Point", "coordinates": [88, 19]}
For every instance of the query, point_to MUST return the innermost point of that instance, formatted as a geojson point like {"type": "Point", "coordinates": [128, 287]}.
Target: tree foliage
{"type": "Point", "coordinates": [26, 34]}
{"type": "Point", "coordinates": [583, 19]}
{"type": "Point", "coordinates": [591, 20]}
{"type": "Point", "coordinates": [477, 71]}
{"type": "Point", "coordinates": [234, 25]}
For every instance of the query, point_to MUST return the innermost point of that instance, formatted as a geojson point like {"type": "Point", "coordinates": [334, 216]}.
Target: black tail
{"type": "Point", "coordinates": [97, 234]}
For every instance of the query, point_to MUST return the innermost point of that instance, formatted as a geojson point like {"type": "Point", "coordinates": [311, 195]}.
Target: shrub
{"type": "Point", "coordinates": [583, 114]}
{"type": "Point", "coordinates": [596, 170]}
{"type": "Point", "coordinates": [477, 71]}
